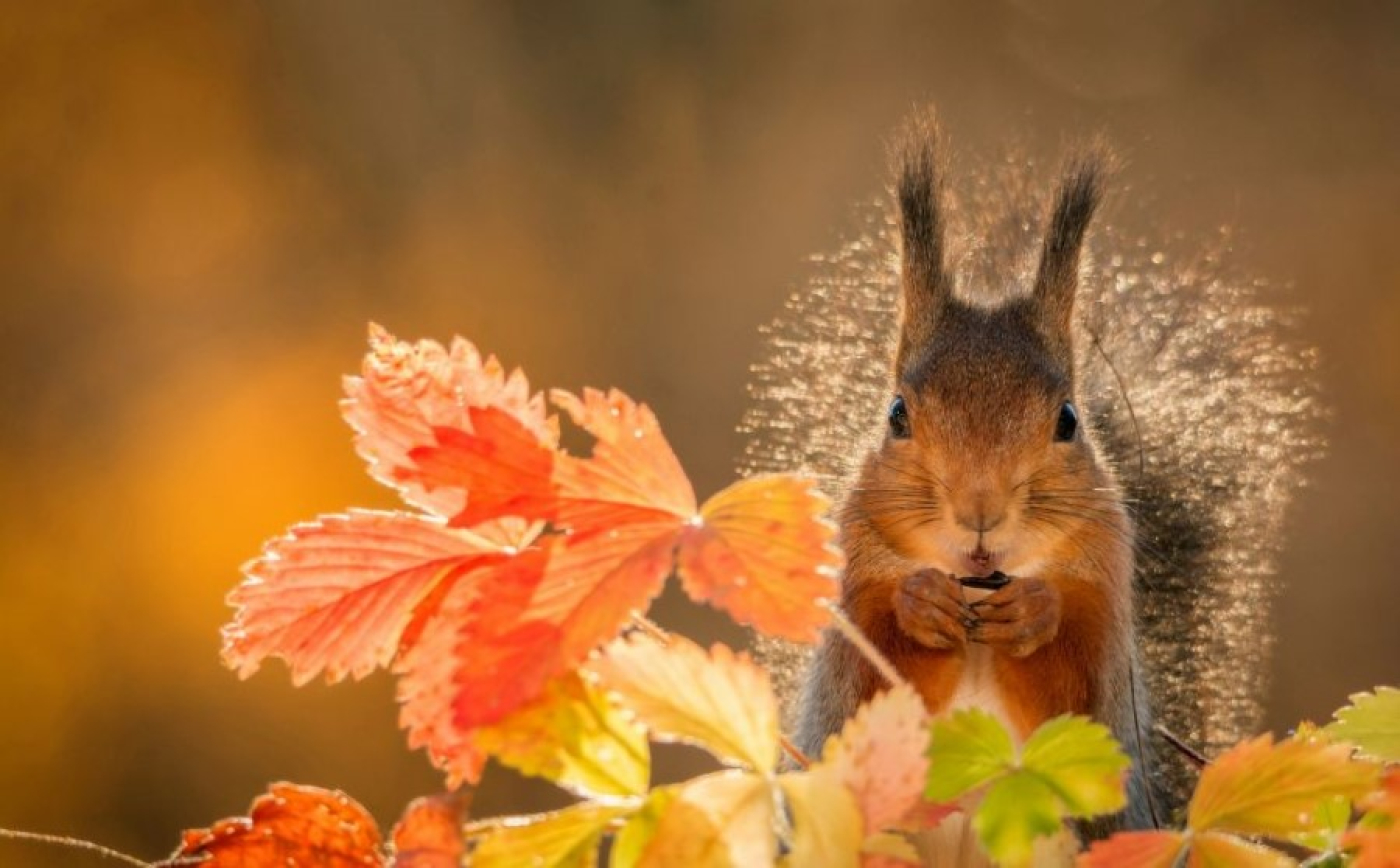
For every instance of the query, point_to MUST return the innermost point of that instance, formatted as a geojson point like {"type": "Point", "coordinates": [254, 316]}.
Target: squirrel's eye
{"type": "Point", "coordinates": [899, 419]}
{"type": "Point", "coordinates": [1067, 424]}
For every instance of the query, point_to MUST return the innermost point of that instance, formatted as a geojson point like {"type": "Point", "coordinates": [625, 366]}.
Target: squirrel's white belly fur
{"type": "Point", "coordinates": [977, 686]}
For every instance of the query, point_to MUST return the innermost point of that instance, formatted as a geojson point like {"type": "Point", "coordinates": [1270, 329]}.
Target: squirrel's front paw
{"type": "Point", "coordinates": [930, 609]}
{"type": "Point", "coordinates": [1020, 618]}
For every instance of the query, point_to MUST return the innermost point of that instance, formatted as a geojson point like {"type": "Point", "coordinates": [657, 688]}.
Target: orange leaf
{"type": "Point", "coordinates": [632, 475]}
{"type": "Point", "coordinates": [583, 594]}
{"type": "Point", "coordinates": [1377, 838]}
{"type": "Point", "coordinates": [1260, 788]}
{"type": "Point", "coordinates": [336, 595]}
{"type": "Point", "coordinates": [1214, 850]}
{"type": "Point", "coordinates": [429, 835]}
{"type": "Point", "coordinates": [290, 825]}
{"type": "Point", "coordinates": [763, 554]}
{"type": "Point", "coordinates": [405, 391]}
{"type": "Point", "coordinates": [1134, 850]}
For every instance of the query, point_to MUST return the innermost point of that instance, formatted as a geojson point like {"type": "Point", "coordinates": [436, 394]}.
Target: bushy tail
{"type": "Point", "coordinates": [1201, 390]}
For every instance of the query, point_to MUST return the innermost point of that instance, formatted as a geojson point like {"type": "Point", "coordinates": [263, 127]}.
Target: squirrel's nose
{"type": "Point", "coordinates": [980, 513]}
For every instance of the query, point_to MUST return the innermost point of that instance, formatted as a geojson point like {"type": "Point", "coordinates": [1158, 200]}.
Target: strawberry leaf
{"type": "Point", "coordinates": [967, 749]}
{"type": "Point", "coordinates": [405, 391]}
{"type": "Point", "coordinates": [574, 737]}
{"type": "Point", "coordinates": [718, 700]}
{"type": "Point", "coordinates": [1214, 850]}
{"type": "Point", "coordinates": [826, 822]}
{"type": "Point", "coordinates": [1016, 810]}
{"type": "Point", "coordinates": [1134, 850]}
{"type": "Point", "coordinates": [629, 846]}
{"type": "Point", "coordinates": [721, 820]}
{"type": "Point", "coordinates": [880, 756]}
{"type": "Point", "coordinates": [762, 553]}
{"type": "Point", "coordinates": [560, 839]}
{"type": "Point", "coordinates": [337, 595]}
{"type": "Point", "coordinates": [1372, 723]}
{"type": "Point", "coordinates": [1081, 762]}
{"type": "Point", "coordinates": [290, 825]}
{"type": "Point", "coordinates": [1262, 788]}
{"type": "Point", "coordinates": [429, 835]}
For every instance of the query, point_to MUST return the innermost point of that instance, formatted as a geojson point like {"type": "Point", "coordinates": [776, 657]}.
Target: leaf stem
{"type": "Point", "coordinates": [80, 844]}
{"type": "Point", "coordinates": [863, 644]}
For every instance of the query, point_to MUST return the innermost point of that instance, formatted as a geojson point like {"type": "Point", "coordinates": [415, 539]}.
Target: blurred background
{"type": "Point", "coordinates": [201, 206]}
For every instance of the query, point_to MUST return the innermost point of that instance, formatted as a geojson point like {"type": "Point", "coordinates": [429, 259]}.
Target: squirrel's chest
{"type": "Point", "coordinates": [977, 686]}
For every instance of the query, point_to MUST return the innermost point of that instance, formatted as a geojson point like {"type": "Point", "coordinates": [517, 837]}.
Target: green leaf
{"type": "Point", "coordinates": [826, 822]}
{"type": "Point", "coordinates": [967, 749]}
{"type": "Point", "coordinates": [1371, 723]}
{"type": "Point", "coordinates": [1016, 811]}
{"type": "Point", "coordinates": [561, 839]}
{"type": "Point", "coordinates": [1329, 821]}
{"type": "Point", "coordinates": [573, 736]}
{"type": "Point", "coordinates": [630, 844]}
{"type": "Point", "coordinates": [1081, 762]}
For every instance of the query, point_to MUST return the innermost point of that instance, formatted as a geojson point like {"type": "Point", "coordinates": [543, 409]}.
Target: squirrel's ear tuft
{"type": "Point", "coordinates": [918, 193]}
{"type": "Point", "coordinates": [1057, 280]}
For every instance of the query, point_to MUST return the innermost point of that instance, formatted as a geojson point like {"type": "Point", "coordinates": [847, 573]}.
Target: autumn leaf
{"type": "Point", "coordinates": [407, 391]}
{"type": "Point", "coordinates": [1134, 850]}
{"type": "Point", "coordinates": [718, 700]}
{"type": "Point", "coordinates": [826, 821]}
{"type": "Point", "coordinates": [1372, 723]}
{"type": "Point", "coordinates": [1016, 810]}
{"type": "Point", "coordinates": [429, 835]}
{"type": "Point", "coordinates": [722, 820]}
{"type": "Point", "coordinates": [880, 758]}
{"type": "Point", "coordinates": [290, 825]}
{"type": "Point", "coordinates": [574, 737]}
{"type": "Point", "coordinates": [567, 838]}
{"type": "Point", "coordinates": [1376, 837]}
{"type": "Point", "coordinates": [630, 844]}
{"type": "Point", "coordinates": [1214, 850]}
{"type": "Point", "coordinates": [1262, 788]}
{"type": "Point", "coordinates": [757, 554]}
{"type": "Point", "coordinates": [336, 595]}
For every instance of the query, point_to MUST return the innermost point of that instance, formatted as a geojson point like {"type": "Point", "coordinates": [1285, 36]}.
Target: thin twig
{"type": "Point", "coordinates": [803, 761]}
{"type": "Point", "coordinates": [857, 638]}
{"type": "Point", "coordinates": [73, 844]}
{"type": "Point", "coordinates": [1195, 757]}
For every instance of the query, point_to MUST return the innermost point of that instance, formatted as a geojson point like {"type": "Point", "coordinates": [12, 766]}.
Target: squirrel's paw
{"type": "Point", "coordinates": [1018, 619]}
{"type": "Point", "coordinates": [930, 609]}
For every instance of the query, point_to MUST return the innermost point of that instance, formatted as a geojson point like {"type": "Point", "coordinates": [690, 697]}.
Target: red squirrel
{"type": "Point", "coordinates": [984, 467]}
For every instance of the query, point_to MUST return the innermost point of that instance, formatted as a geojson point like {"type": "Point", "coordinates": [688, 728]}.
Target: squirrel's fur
{"type": "Point", "coordinates": [1145, 540]}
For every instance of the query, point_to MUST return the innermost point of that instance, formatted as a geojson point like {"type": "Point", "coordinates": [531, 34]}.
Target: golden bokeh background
{"type": "Point", "coordinates": [203, 205]}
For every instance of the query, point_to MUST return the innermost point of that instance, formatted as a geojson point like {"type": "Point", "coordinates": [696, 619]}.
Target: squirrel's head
{"type": "Point", "coordinates": [985, 462]}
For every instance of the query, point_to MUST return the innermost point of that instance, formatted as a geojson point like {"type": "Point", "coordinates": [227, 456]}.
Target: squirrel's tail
{"type": "Point", "coordinates": [1203, 394]}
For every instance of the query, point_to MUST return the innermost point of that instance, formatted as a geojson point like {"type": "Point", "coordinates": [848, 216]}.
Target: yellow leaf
{"type": "Point", "coordinates": [718, 700]}
{"type": "Point", "coordinates": [723, 820]}
{"type": "Point", "coordinates": [561, 839]}
{"type": "Point", "coordinates": [1260, 788]}
{"type": "Point", "coordinates": [630, 845]}
{"type": "Point", "coordinates": [573, 736]}
{"type": "Point", "coordinates": [826, 822]}
{"type": "Point", "coordinates": [1213, 850]}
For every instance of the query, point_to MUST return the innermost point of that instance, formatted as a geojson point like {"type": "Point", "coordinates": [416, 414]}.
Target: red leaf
{"type": "Point", "coordinates": [336, 595]}
{"type": "Point", "coordinates": [1134, 850]}
{"type": "Point", "coordinates": [545, 621]}
{"type": "Point", "coordinates": [764, 555]}
{"type": "Point", "coordinates": [291, 825]}
{"type": "Point", "coordinates": [430, 833]}
{"type": "Point", "coordinates": [405, 391]}
{"type": "Point", "coordinates": [505, 468]}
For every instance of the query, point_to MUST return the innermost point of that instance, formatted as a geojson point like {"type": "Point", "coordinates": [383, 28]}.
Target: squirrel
{"type": "Point", "coordinates": [1091, 425]}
